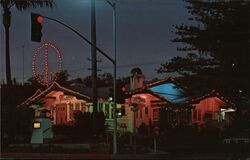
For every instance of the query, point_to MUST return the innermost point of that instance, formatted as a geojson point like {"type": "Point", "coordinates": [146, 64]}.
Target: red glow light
{"type": "Point", "coordinates": [40, 19]}
{"type": "Point", "coordinates": [123, 89]}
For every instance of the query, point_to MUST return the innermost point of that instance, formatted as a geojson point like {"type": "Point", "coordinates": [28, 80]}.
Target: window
{"type": "Point", "coordinates": [195, 115]}
{"type": "Point", "coordinates": [37, 125]}
{"type": "Point", "coordinates": [141, 113]}
{"type": "Point", "coordinates": [112, 116]}
{"type": "Point", "coordinates": [106, 111]}
{"type": "Point", "coordinates": [87, 109]}
{"type": "Point", "coordinates": [82, 104]}
{"type": "Point", "coordinates": [77, 106]}
{"type": "Point", "coordinates": [71, 106]}
{"type": "Point", "coordinates": [100, 109]}
{"type": "Point", "coordinates": [155, 114]}
{"type": "Point", "coordinates": [199, 115]}
{"type": "Point", "coordinates": [146, 110]}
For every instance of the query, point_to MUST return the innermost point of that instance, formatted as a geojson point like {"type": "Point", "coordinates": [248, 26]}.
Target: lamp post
{"type": "Point", "coordinates": [113, 5]}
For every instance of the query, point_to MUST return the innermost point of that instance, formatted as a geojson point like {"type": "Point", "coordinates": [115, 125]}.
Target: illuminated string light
{"type": "Point", "coordinates": [53, 86]}
{"type": "Point", "coordinates": [43, 77]}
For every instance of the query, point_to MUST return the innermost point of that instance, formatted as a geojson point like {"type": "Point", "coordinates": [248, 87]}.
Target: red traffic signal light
{"type": "Point", "coordinates": [39, 19]}
{"type": "Point", "coordinates": [36, 27]}
{"type": "Point", "coordinates": [123, 88]}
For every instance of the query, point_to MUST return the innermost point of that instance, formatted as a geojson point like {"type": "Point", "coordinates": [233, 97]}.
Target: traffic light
{"type": "Point", "coordinates": [121, 93]}
{"type": "Point", "coordinates": [36, 27]}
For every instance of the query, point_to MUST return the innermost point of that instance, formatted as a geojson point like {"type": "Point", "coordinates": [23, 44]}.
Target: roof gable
{"type": "Point", "coordinates": [213, 93]}
{"type": "Point", "coordinates": [166, 80]}
{"type": "Point", "coordinates": [170, 91]}
{"type": "Point", "coordinates": [166, 89]}
{"type": "Point", "coordinates": [54, 87]}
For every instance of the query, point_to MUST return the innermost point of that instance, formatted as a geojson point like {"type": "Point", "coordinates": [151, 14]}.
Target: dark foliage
{"type": "Point", "coordinates": [217, 47]}
{"type": "Point", "coordinates": [62, 79]}
{"type": "Point", "coordinates": [84, 123]}
{"type": "Point", "coordinates": [21, 5]}
{"type": "Point", "coordinates": [15, 122]}
{"type": "Point", "coordinates": [105, 79]}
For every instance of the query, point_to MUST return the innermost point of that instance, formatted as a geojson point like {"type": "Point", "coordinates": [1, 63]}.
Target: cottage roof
{"type": "Point", "coordinates": [54, 86]}
{"type": "Point", "coordinates": [213, 93]}
{"type": "Point", "coordinates": [167, 80]}
{"type": "Point", "coordinates": [166, 89]}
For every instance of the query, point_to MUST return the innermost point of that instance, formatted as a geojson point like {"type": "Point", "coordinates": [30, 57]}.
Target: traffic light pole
{"type": "Point", "coordinates": [114, 79]}
{"type": "Point", "coordinates": [113, 61]}
{"type": "Point", "coordinates": [94, 64]}
{"type": "Point", "coordinates": [84, 38]}
{"type": "Point", "coordinates": [113, 5]}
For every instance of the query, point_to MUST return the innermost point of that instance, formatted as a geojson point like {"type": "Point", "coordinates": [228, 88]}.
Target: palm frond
{"type": "Point", "coordinates": [25, 4]}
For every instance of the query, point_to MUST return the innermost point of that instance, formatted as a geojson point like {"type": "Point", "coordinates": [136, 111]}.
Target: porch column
{"type": "Point", "coordinates": [67, 110]}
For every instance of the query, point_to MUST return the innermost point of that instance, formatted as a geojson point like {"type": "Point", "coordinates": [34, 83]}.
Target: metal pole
{"type": "Point", "coordinates": [154, 144]}
{"type": "Point", "coordinates": [83, 37]}
{"type": "Point", "coordinates": [94, 63]}
{"type": "Point", "coordinates": [135, 132]}
{"type": "Point", "coordinates": [23, 61]}
{"type": "Point", "coordinates": [114, 83]}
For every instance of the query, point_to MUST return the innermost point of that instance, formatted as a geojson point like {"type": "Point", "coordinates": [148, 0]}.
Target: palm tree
{"type": "Point", "coordinates": [21, 5]}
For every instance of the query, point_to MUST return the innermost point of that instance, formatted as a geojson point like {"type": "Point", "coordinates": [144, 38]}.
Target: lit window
{"type": "Point", "coordinates": [37, 125]}
{"type": "Point", "coordinates": [78, 106]}
{"type": "Point", "coordinates": [71, 106]}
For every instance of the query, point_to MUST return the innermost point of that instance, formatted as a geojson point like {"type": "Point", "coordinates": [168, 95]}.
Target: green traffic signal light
{"type": "Point", "coordinates": [36, 27]}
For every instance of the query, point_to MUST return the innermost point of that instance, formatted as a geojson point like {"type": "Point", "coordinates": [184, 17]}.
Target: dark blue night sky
{"type": "Point", "coordinates": [144, 31]}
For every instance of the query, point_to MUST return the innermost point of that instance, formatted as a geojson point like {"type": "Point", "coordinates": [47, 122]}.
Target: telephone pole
{"type": "Point", "coordinates": [93, 63]}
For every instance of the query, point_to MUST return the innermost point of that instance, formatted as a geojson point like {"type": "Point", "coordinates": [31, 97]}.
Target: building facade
{"type": "Point", "coordinates": [173, 103]}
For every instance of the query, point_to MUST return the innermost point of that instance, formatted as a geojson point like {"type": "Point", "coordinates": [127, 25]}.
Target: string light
{"type": "Point", "coordinates": [53, 86]}
{"type": "Point", "coordinates": [213, 93]}
{"type": "Point", "coordinates": [39, 77]}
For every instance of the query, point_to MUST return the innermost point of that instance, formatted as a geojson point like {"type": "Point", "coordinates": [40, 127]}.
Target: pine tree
{"type": "Point", "coordinates": [217, 47]}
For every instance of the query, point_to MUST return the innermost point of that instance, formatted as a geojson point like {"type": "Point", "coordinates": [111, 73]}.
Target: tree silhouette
{"type": "Point", "coordinates": [20, 5]}
{"type": "Point", "coordinates": [217, 44]}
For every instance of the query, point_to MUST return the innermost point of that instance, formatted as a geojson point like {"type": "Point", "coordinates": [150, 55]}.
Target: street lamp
{"type": "Point", "coordinates": [113, 5]}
